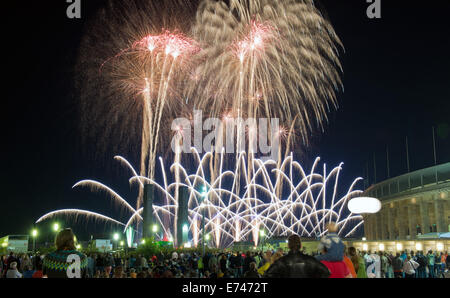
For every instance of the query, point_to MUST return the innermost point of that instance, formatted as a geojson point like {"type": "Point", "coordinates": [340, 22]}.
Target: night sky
{"type": "Point", "coordinates": [396, 79]}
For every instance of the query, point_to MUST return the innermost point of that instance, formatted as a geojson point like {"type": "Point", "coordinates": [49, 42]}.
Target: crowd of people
{"type": "Point", "coordinates": [333, 260]}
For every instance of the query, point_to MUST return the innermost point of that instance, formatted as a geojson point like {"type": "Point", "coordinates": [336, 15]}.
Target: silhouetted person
{"type": "Point", "coordinates": [296, 264]}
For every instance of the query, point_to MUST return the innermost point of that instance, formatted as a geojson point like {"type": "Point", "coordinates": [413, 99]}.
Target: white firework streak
{"type": "Point", "coordinates": [231, 216]}
{"type": "Point", "coordinates": [78, 212]}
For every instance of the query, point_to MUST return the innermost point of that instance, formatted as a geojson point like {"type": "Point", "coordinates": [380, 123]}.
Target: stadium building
{"type": "Point", "coordinates": [415, 213]}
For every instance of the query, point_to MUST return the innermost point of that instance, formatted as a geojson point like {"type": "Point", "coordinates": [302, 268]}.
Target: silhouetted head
{"type": "Point", "coordinates": [332, 227]}
{"type": "Point", "coordinates": [294, 243]}
{"type": "Point", "coordinates": [65, 240]}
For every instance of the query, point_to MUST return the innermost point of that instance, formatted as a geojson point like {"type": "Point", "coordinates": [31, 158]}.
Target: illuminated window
{"type": "Point", "coordinates": [419, 246]}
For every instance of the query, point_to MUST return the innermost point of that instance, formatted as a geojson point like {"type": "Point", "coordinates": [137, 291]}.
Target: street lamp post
{"type": "Point", "coordinates": [184, 237]}
{"type": "Point", "coordinates": [116, 238]}
{"type": "Point", "coordinates": [56, 227]}
{"type": "Point", "coordinates": [202, 206]}
{"type": "Point", "coordinates": [34, 234]}
{"type": "Point", "coordinates": [262, 234]}
{"type": "Point", "coordinates": [203, 229]}
{"type": "Point", "coordinates": [154, 230]}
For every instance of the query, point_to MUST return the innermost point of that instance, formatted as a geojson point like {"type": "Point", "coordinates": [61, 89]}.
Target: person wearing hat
{"type": "Point", "coordinates": [296, 264]}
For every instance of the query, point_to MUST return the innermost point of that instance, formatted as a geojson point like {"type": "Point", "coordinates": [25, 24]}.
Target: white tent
{"type": "Point", "coordinates": [435, 236]}
{"type": "Point", "coordinates": [444, 235]}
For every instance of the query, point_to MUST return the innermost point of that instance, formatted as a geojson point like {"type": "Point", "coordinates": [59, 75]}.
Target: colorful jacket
{"type": "Point", "coordinates": [334, 246]}
{"type": "Point", "coordinates": [55, 264]}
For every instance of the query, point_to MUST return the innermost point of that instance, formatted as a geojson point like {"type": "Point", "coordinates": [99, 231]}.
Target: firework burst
{"type": "Point", "coordinates": [283, 53]}
{"type": "Point", "coordinates": [147, 61]}
{"type": "Point", "coordinates": [133, 63]}
{"type": "Point", "coordinates": [302, 208]}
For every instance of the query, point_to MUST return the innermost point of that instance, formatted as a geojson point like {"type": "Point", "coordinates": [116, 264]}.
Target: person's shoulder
{"type": "Point", "coordinates": [307, 256]}
{"type": "Point", "coordinates": [309, 259]}
{"type": "Point", "coordinates": [52, 254]}
{"type": "Point", "coordinates": [75, 252]}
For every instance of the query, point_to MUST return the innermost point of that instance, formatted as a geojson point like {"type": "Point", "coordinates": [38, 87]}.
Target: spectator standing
{"type": "Point", "coordinates": [12, 258]}
{"type": "Point", "coordinates": [409, 267]}
{"type": "Point", "coordinates": [12, 271]}
{"type": "Point", "coordinates": [109, 264]}
{"type": "Point", "coordinates": [28, 272]}
{"type": "Point", "coordinates": [206, 262]}
{"type": "Point", "coordinates": [144, 263]}
{"type": "Point", "coordinates": [252, 272]}
{"type": "Point", "coordinates": [384, 265]}
{"type": "Point", "coordinates": [236, 264]}
{"type": "Point", "coordinates": [257, 260]}
{"type": "Point", "coordinates": [132, 262]}
{"type": "Point", "coordinates": [138, 263]}
{"type": "Point", "coordinates": [214, 271]}
{"type": "Point", "coordinates": [390, 273]}
{"type": "Point", "coordinates": [248, 259]}
{"type": "Point", "coordinates": [38, 272]}
{"type": "Point", "coordinates": [397, 266]}
{"type": "Point", "coordinates": [349, 264]}
{"type": "Point", "coordinates": [56, 264]}
{"type": "Point", "coordinates": [439, 265]}
{"type": "Point", "coordinates": [431, 259]}
{"type": "Point", "coordinates": [296, 264]}
{"type": "Point", "coordinates": [404, 256]}
{"type": "Point", "coordinates": [212, 262]}
{"type": "Point", "coordinates": [26, 263]}
{"type": "Point", "coordinates": [200, 265]}
{"type": "Point", "coordinates": [447, 261]}
{"type": "Point", "coordinates": [333, 245]}
{"type": "Point", "coordinates": [223, 263]}
{"type": "Point", "coordinates": [99, 263]}
{"type": "Point", "coordinates": [374, 267]}
{"type": "Point", "coordinates": [358, 263]}
{"type": "Point", "coordinates": [118, 261]}
{"type": "Point", "coordinates": [337, 269]}
{"type": "Point", "coordinates": [267, 264]}
{"type": "Point", "coordinates": [90, 266]}
{"type": "Point", "coordinates": [423, 264]}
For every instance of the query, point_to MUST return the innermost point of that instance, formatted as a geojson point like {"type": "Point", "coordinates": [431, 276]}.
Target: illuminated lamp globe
{"type": "Point", "coordinates": [364, 205]}
{"type": "Point", "coordinates": [56, 227]}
